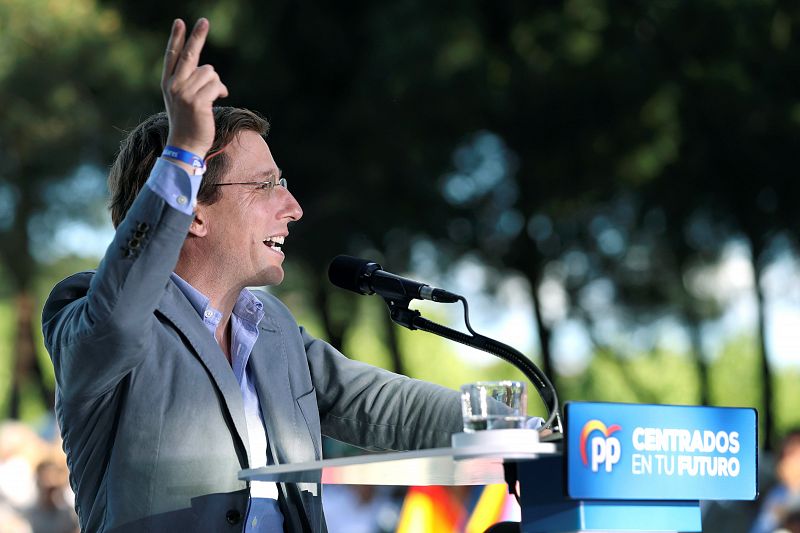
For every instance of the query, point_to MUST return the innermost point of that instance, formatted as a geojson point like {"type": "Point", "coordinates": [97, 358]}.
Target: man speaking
{"type": "Point", "coordinates": [171, 375]}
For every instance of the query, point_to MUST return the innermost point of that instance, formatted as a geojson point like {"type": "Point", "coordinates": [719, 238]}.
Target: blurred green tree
{"type": "Point", "coordinates": [633, 139]}
{"type": "Point", "coordinates": [63, 72]}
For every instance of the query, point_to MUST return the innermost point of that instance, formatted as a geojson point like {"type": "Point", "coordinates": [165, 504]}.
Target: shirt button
{"type": "Point", "coordinates": [208, 313]}
{"type": "Point", "coordinates": [182, 200]}
{"type": "Point", "coordinates": [255, 522]}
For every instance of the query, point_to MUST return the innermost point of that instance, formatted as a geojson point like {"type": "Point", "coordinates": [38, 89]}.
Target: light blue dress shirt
{"type": "Point", "coordinates": [179, 190]}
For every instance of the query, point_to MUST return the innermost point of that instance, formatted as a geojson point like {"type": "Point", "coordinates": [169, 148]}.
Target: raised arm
{"type": "Point", "coordinates": [95, 337]}
{"type": "Point", "coordinates": [189, 91]}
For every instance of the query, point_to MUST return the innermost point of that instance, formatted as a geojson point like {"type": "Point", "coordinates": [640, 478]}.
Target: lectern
{"type": "Point", "coordinates": [619, 467]}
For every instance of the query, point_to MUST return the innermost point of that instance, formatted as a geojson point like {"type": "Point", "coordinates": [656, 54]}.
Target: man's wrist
{"type": "Point", "coordinates": [189, 145]}
{"type": "Point", "coordinates": [192, 162]}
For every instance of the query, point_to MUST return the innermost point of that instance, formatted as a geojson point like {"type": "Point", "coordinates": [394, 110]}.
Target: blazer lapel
{"type": "Point", "coordinates": [270, 370]}
{"type": "Point", "coordinates": [291, 416]}
{"type": "Point", "coordinates": [176, 308]}
{"type": "Point", "coordinates": [287, 433]}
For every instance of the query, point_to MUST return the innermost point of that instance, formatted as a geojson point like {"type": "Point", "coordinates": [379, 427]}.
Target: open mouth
{"type": "Point", "coordinates": [276, 242]}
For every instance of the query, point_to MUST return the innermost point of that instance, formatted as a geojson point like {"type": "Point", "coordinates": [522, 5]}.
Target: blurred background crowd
{"type": "Point", "coordinates": [34, 491]}
{"type": "Point", "coordinates": [611, 185]}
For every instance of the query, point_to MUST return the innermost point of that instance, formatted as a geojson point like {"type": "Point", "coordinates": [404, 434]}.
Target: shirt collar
{"type": "Point", "coordinates": [248, 307]}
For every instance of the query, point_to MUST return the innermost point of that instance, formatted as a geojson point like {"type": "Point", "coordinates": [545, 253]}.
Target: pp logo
{"type": "Point", "coordinates": [606, 450]}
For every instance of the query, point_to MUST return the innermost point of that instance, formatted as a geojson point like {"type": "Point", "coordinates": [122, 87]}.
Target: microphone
{"type": "Point", "coordinates": [367, 277]}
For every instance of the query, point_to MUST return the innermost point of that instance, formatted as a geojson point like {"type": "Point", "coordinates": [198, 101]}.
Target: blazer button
{"type": "Point", "coordinates": [133, 243]}
{"type": "Point", "coordinates": [233, 517]}
{"type": "Point", "coordinates": [142, 226]}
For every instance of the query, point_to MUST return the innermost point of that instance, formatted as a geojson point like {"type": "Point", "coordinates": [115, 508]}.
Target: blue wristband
{"type": "Point", "coordinates": [189, 158]}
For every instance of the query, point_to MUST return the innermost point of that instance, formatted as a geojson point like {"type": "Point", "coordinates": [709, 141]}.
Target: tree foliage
{"type": "Point", "coordinates": [597, 147]}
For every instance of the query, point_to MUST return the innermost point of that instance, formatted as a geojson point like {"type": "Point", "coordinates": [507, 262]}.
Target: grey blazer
{"type": "Point", "coordinates": [152, 415]}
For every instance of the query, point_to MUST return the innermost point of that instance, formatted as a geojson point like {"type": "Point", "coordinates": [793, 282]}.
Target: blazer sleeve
{"type": "Point", "coordinates": [96, 327]}
{"type": "Point", "coordinates": [376, 409]}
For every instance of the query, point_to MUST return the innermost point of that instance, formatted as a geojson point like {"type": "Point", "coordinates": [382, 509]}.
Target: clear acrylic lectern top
{"type": "Point", "coordinates": [474, 459]}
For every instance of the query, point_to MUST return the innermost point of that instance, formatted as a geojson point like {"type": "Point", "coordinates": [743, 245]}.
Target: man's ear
{"type": "Point", "coordinates": [199, 227]}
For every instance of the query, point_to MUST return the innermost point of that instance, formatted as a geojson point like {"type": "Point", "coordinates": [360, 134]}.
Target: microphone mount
{"type": "Point", "coordinates": [413, 319]}
{"type": "Point", "coordinates": [367, 277]}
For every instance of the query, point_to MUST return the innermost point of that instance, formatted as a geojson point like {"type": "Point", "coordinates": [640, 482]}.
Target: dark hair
{"type": "Point", "coordinates": [140, 149]}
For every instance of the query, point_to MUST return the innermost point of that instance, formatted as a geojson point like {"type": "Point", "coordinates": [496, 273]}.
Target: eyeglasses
{"type": "Point", "coordinates": [262, 185]}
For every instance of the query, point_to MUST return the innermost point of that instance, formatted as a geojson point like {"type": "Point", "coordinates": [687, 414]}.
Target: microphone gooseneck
{"type": "Point", "coordinates": [367, 277]}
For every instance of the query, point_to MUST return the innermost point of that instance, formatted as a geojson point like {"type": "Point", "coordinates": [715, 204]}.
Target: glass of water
{"type": "Point", "coordinates": [493, 405]}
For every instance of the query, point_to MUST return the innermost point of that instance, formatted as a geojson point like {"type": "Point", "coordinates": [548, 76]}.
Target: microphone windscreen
{"type": "Point", "coordinates": [346, 271]}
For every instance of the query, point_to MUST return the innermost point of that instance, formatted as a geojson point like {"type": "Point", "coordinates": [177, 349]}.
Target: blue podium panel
{"type": "Point", "coordinates": [546, 508]}
{"type": "Point", "coordinates": [660, 452]}
{"type": "Point", "coordinates": [606, 516]}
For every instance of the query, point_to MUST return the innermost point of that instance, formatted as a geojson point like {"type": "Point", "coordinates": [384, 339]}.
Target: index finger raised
{"type": "Point", "coordinates": [174, 46]}
{"type": "Point", "coordinates": [189, 57]}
